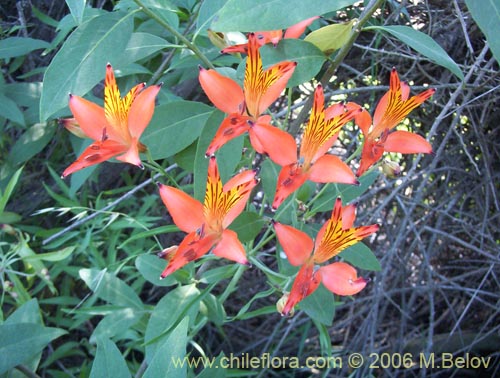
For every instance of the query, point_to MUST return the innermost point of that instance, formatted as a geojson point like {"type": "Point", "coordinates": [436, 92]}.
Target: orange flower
{"type": "Point", "coordinates": [116, 128]}
{"type": "Point", "coordinates": [273, 36]}
{"type": "Point", "coordinates": [206, 224]}
{"type": "Point", "coordinates": [313, 162]}
{"type": "Point", "coordinates": [334, 236]}
{"type": "Point", "coordinates": [244, 106]}
{"type": "Point", "coordinates": [391, 110]}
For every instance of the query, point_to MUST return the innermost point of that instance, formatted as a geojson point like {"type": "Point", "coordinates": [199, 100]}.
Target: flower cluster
{"type": "Point", "coordinates": [117, 127]}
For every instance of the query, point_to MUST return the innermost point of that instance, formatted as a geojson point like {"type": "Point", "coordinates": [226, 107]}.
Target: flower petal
{"type": "Point", "coordinates": [273, 36]}
{"type": "Point", "coordinates": [186, 212]}
{"type": "Point", "coordinates": [291, 177]}
{"type": "Point", "coordinates": [231, 127]}
{"type": "Point", "coordinates": [406, 142]}
{"type": "Point", "coordinates": [131, 156]}
{"type": "Point", "coordinates": [277, 144]}
{"type": "Point", "coordinates": [394, 105]}
{"type": "Point", "coordinates": [237, 196]}
{"type": "Point", "coordinates": [89, 116]}
{"type": "Point", "coordinates": [306, 282]}
{"type": "Point", "coordinates": [342, 279]}
{"type": "Point", "coordinates": [333, 237]}
{"type": "Point", "coordinates": [192, 247]}
{"type": "Point", "coordinates": [330, 168]}
{"type": "Point", "coordinates": [295, 31]}
{"type": "Point", "coordinates": [222, 207]}
{"type": "Point", "coordinates": [296, 244]}
{"type": "Point", "coordinates": [141, 111]}
{"type": "Point", "coordinates": [94, 154]}
{"type": "Point", "coordinates": [372, 151]}
{"type": "Point", "coordinates": [363, 119]}
{"type": "Point", "coordinates": [231, 248]}
{"type": "Point", "coordinates": [262, 88]}
{"type": "Point", "coordinates": [224, 93]}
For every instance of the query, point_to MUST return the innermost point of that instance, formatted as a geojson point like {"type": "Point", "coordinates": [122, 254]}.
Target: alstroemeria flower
{"type": "Point", "coordinates": [245, 106]}
{"type": "Point", "coordinates": [391, 110]}
{"type": "Point", "coordinates": [313, 162]}
{"type": "Point", "coordinates": [273, 36]}
{"type": "Point", "coordinates": [116, 128]}
{"type": "Point", "coordinates": [334, 236]}
{"type": "Point", "coordinates": [206, 224]}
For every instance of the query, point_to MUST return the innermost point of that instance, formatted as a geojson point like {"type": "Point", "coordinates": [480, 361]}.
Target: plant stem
{"type": "Point", "coordinates": [365, 16]}
{"type": "Point", "coordinates": [178, 35]}
{"type": "Point", "coordinates": [27, 372]}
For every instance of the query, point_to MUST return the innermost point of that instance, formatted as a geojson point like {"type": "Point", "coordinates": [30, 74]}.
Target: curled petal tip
{"type": "Point", "coordinates": [161, 277]}
{"type": "Point", "coordinates": [212, 156]}
{"type": "Point", "coordinates": [141, 166]}
{"type": "Point", "coordinates": [356, 183]}
{"type": "Point", "coordinates": [160, 84]}
{"type": "Point", "coordinates": [273, 221]}
{"type": "Point", "coordinates": [393, 69]}
{"type": "Point", "coordinates": [70, 95]}
{"type": "Point", "coordinates": [108, 65]}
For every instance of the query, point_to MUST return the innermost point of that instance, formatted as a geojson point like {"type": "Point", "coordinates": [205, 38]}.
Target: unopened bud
{"type": "Point", "coordinates": [390, 168]}
{"type": "Point", "coordinates": [280, 305]}
{"type": "Point", "coordinates": [168, 253]}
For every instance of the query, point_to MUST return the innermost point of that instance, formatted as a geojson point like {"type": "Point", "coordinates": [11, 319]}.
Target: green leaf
{"type": "Point", "coordinates": [331, 37]}
{"type": "Point", "coordinates": [175, 126]}
{"type": "Point", "coordinates": [247, 225]}
{"type": "Point", "coordinates": [108, 361]}
{"type": "Point", "coordinates": [29, 312]}
{"type": "Point", "coordinates": [115, 324]}
{"type": "Point", "coordinates": [80, 63]}
{"type": "Point", "coordinates": [52, 256]}
{"type": "Point", "coordinates": [171, 309]}
{"type": "Point", "coordinates": [76, 7]}
{"type": "Point", "coordinates": [142, 45]}
{"type": "Point", "coordinates": [361, 256]}
{"type": "Point", "coordinates": [423, 44]}
{"type": "Point", "coordinates": [167, 361]}
{"type": "Point", "coordinates": [10, 110]}
{"type": "Point", "coordinates": [20, 341]}
{"type": "Point", "coordinates": [31, 142]}
{"type": "Point", "coordinates": [347, 192]}
{"type": "Point", "coordinates": [9, 189]}
{"type": "Point", "coordinates": [320, 306]}
{"type": "Point", "coordinates": [151, 266]}
{"type": "Point", "coordinates": [18, 46]}
{"type": "Point", "coordinates": [309, 58]}
{"type": "Point", "coordinates": [258, 15]}
{"type": "Point", "coordinates": [486, 13]}
{"type": "Point", "coordinates": [110, 288]}
{"type": "Point", "coordinates": [213, 309]}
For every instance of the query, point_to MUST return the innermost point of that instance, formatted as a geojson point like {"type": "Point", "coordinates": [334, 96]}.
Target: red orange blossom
{"type": "Point", "coordinates": [245, 106]}
{"type": "Point", "coordinates": [392, 108]}
{"type": "Point", "coordinates": [116, 128]}
{"type": "Point", "coordinates": [334, 236]}
{"type": "Point", "coordinates": [206, 224]}
{"type": "Point", "coordinates": [313, 162]}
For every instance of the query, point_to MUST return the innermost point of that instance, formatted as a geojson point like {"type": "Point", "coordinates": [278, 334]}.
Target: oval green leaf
{"type": "Point", "coordinates": [20, 341]}
{"type": "Point", "coordinates": [175, 126]}
{"type": "Point", "coordinates": [258, 15]}
{"type": "Point", "coordinates": [80, 63]}
{"type": "Point", "coordinates": [18, 46]}
{"type": "Point", "coordinates": [309, 58]}
{"type": "Point", "coordinates": [108, 361]}
{"type": "Point", "coordinates": [361, 257]}
{"type": "Point", "coordinates": [110, 288]}
{"type": "Point", "coordinates": [423, 44]}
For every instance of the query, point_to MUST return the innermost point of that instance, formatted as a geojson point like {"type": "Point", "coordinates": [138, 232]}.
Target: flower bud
{"type": "Point", "coordinates": [280, 305]}
{"type": "Point", "coordinates": [390, 168]}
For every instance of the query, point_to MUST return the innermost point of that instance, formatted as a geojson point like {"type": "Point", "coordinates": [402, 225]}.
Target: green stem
{"type": "Point", "coordinates": [232, 284]}
{"type": "Point", "coordinates": [178, 35]}
{"type": "Point", "coordinates": [365, 16]}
